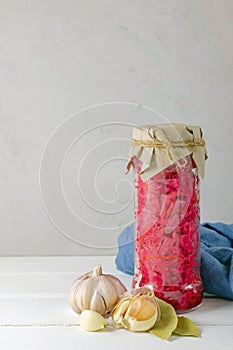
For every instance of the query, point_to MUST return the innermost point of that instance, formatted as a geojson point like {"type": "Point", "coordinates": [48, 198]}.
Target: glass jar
{"type": "Point", "coordinates": [167, 218]}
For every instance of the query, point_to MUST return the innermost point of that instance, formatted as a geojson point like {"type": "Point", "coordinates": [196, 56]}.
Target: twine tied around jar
{"type": "Point", "coordinates": [166, 144]}
{"type": "Point", "coordinates": [159, 146]}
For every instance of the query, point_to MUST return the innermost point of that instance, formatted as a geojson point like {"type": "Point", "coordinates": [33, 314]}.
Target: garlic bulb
{"type": "Point", "coordinates": [137, 312]}
{"type": "Point", "coordinates": [96, 291]}
{"type": "Point", "coordinates": [91, 321]}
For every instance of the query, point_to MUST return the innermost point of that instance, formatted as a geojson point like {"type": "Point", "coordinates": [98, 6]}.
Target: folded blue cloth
{"type": "Point", "coordinates": [216, 257]}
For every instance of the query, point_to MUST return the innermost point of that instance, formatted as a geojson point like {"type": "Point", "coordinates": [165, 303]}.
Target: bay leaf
{"type": "Point", "coordinates": [167, 323]}
{"type": "Point", "coordinates": [186, 327]}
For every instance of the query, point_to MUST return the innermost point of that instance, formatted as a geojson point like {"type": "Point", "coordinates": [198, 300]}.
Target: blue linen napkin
{"type": "Point", "coordinates": [216, 256]}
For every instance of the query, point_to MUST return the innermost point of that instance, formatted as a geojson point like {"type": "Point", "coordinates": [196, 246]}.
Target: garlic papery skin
{"type": "Point", "coordinates": [96, 291]}
{"type": "Point", "coordinates": [91, 321]}
{"type": "Point", "coordinates": [138, 312]}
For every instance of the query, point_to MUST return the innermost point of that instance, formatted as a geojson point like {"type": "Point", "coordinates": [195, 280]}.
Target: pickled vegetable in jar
{"type": "Point", "coordinates": [168, 162]}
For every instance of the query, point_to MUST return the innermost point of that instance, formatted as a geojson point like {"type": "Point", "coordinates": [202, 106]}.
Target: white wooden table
{"type": "Point", "coordinates": [35, 314]}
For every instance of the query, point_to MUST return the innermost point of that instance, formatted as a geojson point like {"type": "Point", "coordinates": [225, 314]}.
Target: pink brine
{"type": "Point", "coordinates": [167, 244]}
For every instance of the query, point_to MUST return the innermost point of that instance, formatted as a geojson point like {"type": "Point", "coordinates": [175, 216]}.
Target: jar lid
{"type": "Point", "coordinates": [159, 146]}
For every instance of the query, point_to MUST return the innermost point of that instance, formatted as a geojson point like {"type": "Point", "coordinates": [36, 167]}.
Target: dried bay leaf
{"type": "Point", "coordinates": [186, 327]}
{"type": "Point", "coordinates": [167, 323]}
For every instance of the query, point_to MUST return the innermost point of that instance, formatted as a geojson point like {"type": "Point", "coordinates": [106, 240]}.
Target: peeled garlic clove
{"type": "Point", "coordinates": [91, 321]}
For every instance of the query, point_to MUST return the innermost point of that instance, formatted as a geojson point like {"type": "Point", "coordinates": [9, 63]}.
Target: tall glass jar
{"type": "Point", "coordinates": [167, 218]}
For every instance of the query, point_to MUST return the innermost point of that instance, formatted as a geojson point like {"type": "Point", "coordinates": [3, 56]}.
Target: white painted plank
{"type": "Point", "coordinates": [56, 310]}
{"type": "Point", "coordinates": [35, 291]}
{"type": "Point", "coordinates": [213, 311]}
{"type": "Point", "coordinates": [36, 311]}
{"type": "Point", "coordinates": [72, 338]}
{"type": "Point", "coordinates": [35, 314]}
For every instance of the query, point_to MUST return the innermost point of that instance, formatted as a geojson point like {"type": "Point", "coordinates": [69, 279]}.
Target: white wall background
{"type": "Point", "coordinates": [59, 56]}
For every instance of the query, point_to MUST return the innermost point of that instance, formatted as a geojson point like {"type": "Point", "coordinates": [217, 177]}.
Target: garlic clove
{"type": "Point", "coordinates": [142, 307]}
{"type": "Point", "coordinates": [141, 326]}
{"type": "Point", "coordinates": [134, 307]}
{"type": "Point", "coordinates": [119, 311]}
{"type": "Point", "coordinates": [97, 303]}
{"type": "Point", "coordinates": [83, 295]}
{"type": "Point", "coordinates": [108, 292]}
{"type": "Point", "coordinates": [137, 313]}
{"type": "Point", "coordinates": [91, 321]}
